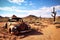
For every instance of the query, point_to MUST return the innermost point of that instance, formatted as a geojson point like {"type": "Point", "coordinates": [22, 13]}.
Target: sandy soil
{"type": "Point", "coordinates": [45, 31]}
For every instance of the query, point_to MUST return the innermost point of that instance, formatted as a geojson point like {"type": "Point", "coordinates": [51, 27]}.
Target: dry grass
{"type": "Point", "coordinates": [43, 30]}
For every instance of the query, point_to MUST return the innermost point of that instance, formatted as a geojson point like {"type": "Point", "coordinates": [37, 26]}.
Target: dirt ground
{"type": "Point", "coordinates": [46, 31]}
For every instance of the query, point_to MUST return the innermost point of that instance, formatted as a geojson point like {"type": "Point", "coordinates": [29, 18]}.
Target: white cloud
{"type": "Point", "coordinates": [8, 8]}
{"type": "Point", "coordinates": [16, 1]}
{"type": "Point", "coordinates": [44, 11]}
{"type": "Point", "coordinates": [57, 8]}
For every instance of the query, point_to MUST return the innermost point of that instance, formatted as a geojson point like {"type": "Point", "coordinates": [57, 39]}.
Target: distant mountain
{"type": "Point", "coordinates": [4, 19]}
{"type": "Point", "coordinates": [0, 16]}
{"type": "Point", "coordinates": [14, 16]}
{"type": "Point", "coordinates": [31, 16]}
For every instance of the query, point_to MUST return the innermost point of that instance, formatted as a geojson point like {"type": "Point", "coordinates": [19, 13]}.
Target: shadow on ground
{"type": "Point", "coordinates": [33, 32]}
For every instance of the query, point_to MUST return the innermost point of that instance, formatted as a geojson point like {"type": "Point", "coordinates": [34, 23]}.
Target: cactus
{"type": "Point", "coordinates": [53, 13]}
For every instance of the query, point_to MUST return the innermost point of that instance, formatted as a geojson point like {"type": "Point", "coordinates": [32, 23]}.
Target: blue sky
{"type": "Point", "coordinates": [22, 8]}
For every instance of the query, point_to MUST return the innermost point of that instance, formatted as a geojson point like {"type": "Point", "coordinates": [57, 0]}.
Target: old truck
{"type": "Point", "coordinates": [17, 27]}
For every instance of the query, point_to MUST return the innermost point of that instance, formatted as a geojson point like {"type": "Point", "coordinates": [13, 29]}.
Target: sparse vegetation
{"type": "Point", "coordinates": [44, 25]}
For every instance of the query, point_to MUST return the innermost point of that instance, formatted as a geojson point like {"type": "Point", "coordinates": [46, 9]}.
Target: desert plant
{"type": "Point", "coordinates": [53, 13]}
